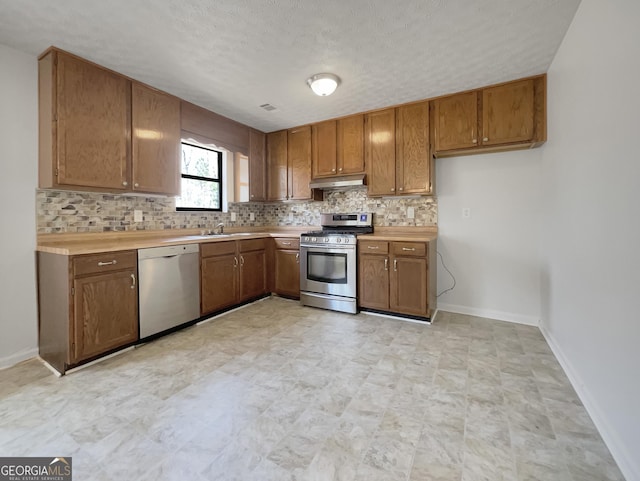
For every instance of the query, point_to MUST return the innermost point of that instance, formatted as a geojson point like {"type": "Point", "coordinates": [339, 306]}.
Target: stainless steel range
{"type": "Point", "coordinates": [328, 262]}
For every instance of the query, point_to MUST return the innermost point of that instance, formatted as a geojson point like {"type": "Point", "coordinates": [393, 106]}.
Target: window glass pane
{"type": "Point", "coordinates": [199, 161]}
{"type": "Point", "coordinates": [201, 194]}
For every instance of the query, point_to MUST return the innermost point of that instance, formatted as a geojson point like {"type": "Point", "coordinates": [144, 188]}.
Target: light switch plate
{"type": "Point", "coordinates": [410, 213]}
{"type": "Point", "coordinates": [137, 216]}
{"type": "Point", "coordinates": [252, 216]}
{"type": "Point", "coordinates": [233, 217]}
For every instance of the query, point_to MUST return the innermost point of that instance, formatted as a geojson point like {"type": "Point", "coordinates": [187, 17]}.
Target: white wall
{"type": "Point", "coordinates": [494, 253]}
{"type": "Point", "coordinates": [591, 254]}
{"type": "Point", "coordinates": [18, 161]}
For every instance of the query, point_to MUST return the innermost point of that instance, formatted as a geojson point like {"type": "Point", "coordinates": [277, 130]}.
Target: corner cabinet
{"type": "Point", "coordinates": [397, 277]}
{"type": "Point", "coordinates": [100, 131]}
{"type": "Point", "coordinates": [232, 272]}
{"type": "Point", "coordinates": [397, 151]}
{"type": "Point", "coordinates": [88, 306]}
{"type": "Point", "coordinates": [502, 117]}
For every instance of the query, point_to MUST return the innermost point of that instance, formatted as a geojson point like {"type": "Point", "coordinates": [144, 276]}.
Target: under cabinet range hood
{"type": "Point", "coordinates": [342, 182]}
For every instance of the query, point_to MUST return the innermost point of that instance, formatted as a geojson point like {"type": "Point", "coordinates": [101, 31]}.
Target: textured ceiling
{"type": "Point", "coordinates": [231, 56]}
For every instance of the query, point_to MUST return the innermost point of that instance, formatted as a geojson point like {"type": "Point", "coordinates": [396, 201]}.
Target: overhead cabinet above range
{"type": "Point", "coordinates": [100, 131]}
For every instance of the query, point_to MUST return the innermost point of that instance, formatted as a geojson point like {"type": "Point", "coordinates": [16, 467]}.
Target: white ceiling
{"type": "Point", "coordinates": [231, 56]}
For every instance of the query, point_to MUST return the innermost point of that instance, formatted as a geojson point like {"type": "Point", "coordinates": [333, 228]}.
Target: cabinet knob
{"type": "Point", "coordinates": [485, 139]}
{"type": "Point", "coordinates": [400, 188]}
{"type": "Point", "coordinates": [125, 183]}
{"type": "Point", "coordinates": [340, 169]}
{"type": "Point", "coordinates": [475, 141]}
{"type": "Point", "coordinates": [333, 170]}
{"type": "Point", "coordinates": [136, 185]}
{"type": "Point", "coordinates": [392, 189]}
{"type": "Point", "coordinates": [252, 195]}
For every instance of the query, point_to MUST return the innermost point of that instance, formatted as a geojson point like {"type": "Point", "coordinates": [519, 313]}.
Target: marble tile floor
{"type": "Point", "coordinates": [277, 391]}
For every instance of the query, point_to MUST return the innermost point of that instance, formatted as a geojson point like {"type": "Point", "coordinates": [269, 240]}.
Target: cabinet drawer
{"type": "Point", "coordinates": [210, 249]}
{"type": "Point", "coordinates": [105, 262]}
{"type": "Point", "coordinates": [252, 245]}
{"type": "Point", "coordinates": [287, 243]}
{"type": "Point", "coordinates": [414, 249]}
{"type": "Point", "coordinates": [373, 247]}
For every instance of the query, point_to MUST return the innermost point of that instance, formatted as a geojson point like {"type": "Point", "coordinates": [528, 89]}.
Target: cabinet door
{"type": "Point", "coordinates": [287, 273]}
{"type": "Point", "coordinates": [277, 165]}
{"type": "Point", "coordinates": [409, 286]}
{"type": "Point", "coordinates": [93, 137]}
{"type": "Point", "coordinates": [155, 119]}
{"type": "Point", "coordinates": [351, 145]}
{"type": "Point", "coordinates": [508, 113]}
{"type": "Point", "coordinates": [323, 142]}
{"type": "Point", "coordinates": [253, 274]}
{"type": "Point", "coordinates": [257, 166]}
{"type": "Point", "coordinates": [413, 175]}
{"type": "Point", "coordinates": [373, 281]}
{"type": "Point", "coordinates": [380, 152]}
{"type": "Point", "coordinates": [299, 154]}
{"type": "Point", "coordinates": [456, 122]}
{"type": "Point", "coordinates": [219, 282]}
{"type": "Point", "coordinates": [105, 314]}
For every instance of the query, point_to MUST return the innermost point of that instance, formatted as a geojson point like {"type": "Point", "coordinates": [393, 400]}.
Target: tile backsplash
{"type": "Point", "coordinates": [67, 211]}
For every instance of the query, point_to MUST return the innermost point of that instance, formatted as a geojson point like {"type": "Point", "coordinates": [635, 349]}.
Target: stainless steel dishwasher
{"type": "Point", "coordinates": [169, 287]}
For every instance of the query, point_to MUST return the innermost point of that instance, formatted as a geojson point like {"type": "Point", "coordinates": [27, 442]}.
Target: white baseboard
{"type": "Point", "coordinates": [627, 463]}
{"type": "Point", "coordinates": [490, 314]}
{"type": "Point", "coordinates": [17, 357]}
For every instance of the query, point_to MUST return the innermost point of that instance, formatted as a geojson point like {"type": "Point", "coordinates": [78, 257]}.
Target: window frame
{"type": "Point", "coordinates": [213, 180]}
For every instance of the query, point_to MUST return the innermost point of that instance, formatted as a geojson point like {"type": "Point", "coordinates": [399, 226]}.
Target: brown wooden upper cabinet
{"type": "Point", "coordinates": [289, 164]}
{"type": "Point", "coordinates": [155, 120]}
{"type": "Point", "coordinates": [97, 131]}
{"type": "Point", "coordinates": [502, 117]}
{"type": "Point", "coordinates": [338, 147]}
{"type": "Point", "coordinates": [397, 151]}
{"type": "Point", "coordinates": [257, 166]}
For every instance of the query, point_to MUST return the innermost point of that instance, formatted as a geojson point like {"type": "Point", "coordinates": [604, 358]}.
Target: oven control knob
{"type": "Point", "coordinates": [313, 239]}
{"type": "Point", "coordinates": [326, 239]}
{"type": "Point", "coordinates": [339, 239]}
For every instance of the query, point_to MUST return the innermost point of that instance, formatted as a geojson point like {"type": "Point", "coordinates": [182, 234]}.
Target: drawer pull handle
{"type": "Point", "coordinates": [133, 281]}
{"type": "Point", "coordinates": [373, 247]}
{"type": "Point", "coordinates": [386, 264]}
{"type": "Point", "coordinates": [298, 257]}
{"type": "Point", "coordinates": [235, 262]}
{"type": "Point", "coordinates": [241, 260]}
{"type": "Point", "coordinates": [409, 249]}
{"type": "Point", "coordinates": [395, 264]}
{"type": "Point", "coordinates": [112, 263]}
{"type": "Point", "coordinates": [286, 243]}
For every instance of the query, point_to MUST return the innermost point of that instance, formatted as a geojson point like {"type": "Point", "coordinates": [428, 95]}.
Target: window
{"type": "Point", "coordinates": [201, 179]}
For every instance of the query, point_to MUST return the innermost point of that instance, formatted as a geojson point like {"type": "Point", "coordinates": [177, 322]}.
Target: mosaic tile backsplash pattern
{"type": "Point", "coordinates": [65, 211]}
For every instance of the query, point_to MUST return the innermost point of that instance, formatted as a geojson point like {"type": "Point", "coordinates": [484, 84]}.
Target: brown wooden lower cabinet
{"type": "Point", "coordinates": [88, 306]}
{"type": "Point", "coordinates": [232, 272]}
{"type": "Point", "coordinates": [395, 277]}
{"type": "Point", "coordinates": [287, 267]}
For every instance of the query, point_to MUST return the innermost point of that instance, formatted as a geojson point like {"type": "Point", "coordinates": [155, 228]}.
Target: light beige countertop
{"type": "Point", "coordinates": [95, 242]}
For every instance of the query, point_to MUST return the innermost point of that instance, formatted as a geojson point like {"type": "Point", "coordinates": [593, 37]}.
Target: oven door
{"type": "Point", "coordinates": [328, 270]}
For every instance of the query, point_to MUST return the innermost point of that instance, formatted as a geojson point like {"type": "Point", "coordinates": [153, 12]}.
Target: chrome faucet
{"type": "Point", "coordinates": [221, 227]}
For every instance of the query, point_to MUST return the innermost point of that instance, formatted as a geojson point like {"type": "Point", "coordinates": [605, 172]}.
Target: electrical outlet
{"type": "Point", "coordinates": [466, 212]}
{"type": "Point", "coordinates": [233, 217]}
{"type": "Point", "coordinates": [290, 215]}
{"type": "Point", "coordinates": [410, 213]}
{"type": "Point", "coordinates": [252, 216]}
{"type": "Point", "coordinates": [137, 216]}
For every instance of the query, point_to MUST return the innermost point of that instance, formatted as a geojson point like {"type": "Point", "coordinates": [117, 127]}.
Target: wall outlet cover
{"type": "Point", "coordinates": [233, 217]}
{"type": "Point", "coordinates": [290, 215]}
{"type": "Point", "coordinates": [137, 216]}
{"type": "Point", "coordinates": [410, 213]}
{"type": "Point", "coordinates": [252, 216]}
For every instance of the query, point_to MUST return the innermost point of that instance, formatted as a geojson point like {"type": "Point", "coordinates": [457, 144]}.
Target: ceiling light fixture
{"type": "Point", "coordinates": [323, 84]}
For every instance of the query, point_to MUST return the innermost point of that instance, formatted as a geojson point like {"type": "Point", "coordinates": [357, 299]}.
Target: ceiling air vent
{"type": "Point", "coordinates": [268, 107]}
